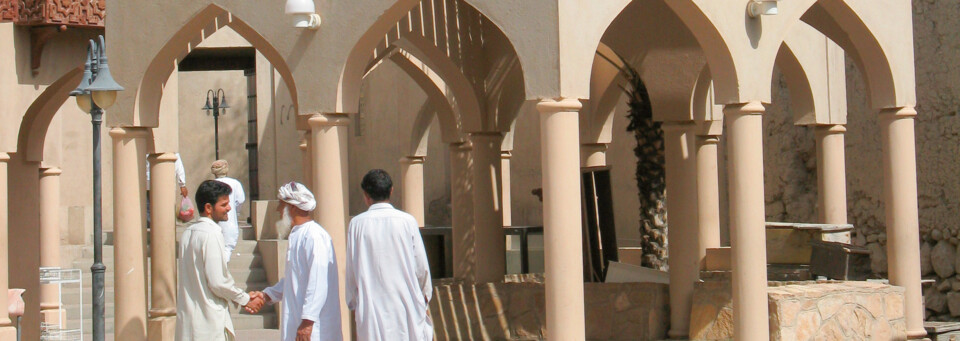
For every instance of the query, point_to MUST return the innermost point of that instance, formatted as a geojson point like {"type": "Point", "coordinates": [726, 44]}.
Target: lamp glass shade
{"type": "Point", "coordinates": [85, 102]}
{"type": "Point", "coordinates": [104, 99]}
{"type": "Point", "coordinates": [299, 7]}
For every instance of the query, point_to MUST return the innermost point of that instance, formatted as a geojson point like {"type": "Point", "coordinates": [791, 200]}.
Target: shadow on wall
{"type": "Point", "coordinates": [516, 311]}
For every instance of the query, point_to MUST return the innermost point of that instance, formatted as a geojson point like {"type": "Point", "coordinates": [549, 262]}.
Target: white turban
{"type": "Point", "coordinates": [298, 195]}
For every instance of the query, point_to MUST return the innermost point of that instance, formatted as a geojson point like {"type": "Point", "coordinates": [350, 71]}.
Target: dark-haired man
{"type": "Point", "coordinates": [205, 284]}
{"type": "Point", "coordinates": [388, 279]}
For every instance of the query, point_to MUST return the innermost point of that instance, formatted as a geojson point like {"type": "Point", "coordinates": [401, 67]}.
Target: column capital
{"type": "Point", "coordinates": [130, 132]}
{"type": "Point", "coordinates": [412, 160]}
{"type": "Point", "coordinates": [462, 146]}
{"type": "Point", "coordinates": [50, 171]}
{"type": "Point", "coordinates": [506, 154]}
{"type": "Point", "coordinates": [710, 128]}
{"type": "Point", "coordinates": [163, 157]}
{"type": "Point", "coordinates": [303, 145]}
{"type": "Point", "coordinates": [898, 113]}
{"type": "Point", "coordinates": [828, 129]}
{"type": "Point", "coordinates": [4, 157]}
{"type": "Point", "coordinates": [547, 106]}
{"type": "Point", "coordinates": [749, 108]}
{"type": "Point", "coordinates": [485, 134]}
{"type": "Point", "coordinates": [678, 126]}
{"type": "Point", "coordinates": [708, 139]}
{"type": "Point", "coordinates": [327, 120]}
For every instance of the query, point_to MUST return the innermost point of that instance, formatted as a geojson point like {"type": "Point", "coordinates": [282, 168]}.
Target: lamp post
{"type": "Point", "coordinates": [97, 91]}
{"type": "Point", "coordinates": [216, 101]}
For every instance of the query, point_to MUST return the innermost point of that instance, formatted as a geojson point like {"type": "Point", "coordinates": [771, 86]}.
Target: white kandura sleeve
{"type": "Point", "coordinates": [218, 276]}
{"type": "Point", "coordinates": [181, 173]}
{"type": "Point", "coordinates": [351, 283]}
{"type": "Point", "coordinates": [275, 292]}
{"type": "Point", "coordinates": [315, 258]}
{"type": "Point", "coordinates": [422, 266]}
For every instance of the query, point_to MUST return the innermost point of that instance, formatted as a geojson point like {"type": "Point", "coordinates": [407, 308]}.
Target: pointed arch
{"type": "Point", "coordinates": [844, 25]}
{"type": "Point", "coordinates": [36, 121]}
{"type": "Point", "coordinates": [205, 23]}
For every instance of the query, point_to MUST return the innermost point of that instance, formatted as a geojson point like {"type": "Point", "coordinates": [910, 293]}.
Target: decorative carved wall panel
{"type": "Point", "coordinates": [9, 10]}
{"type": "Point", "coordinates": [74, 13]}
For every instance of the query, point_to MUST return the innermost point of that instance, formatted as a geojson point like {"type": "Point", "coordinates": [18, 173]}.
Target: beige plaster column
{"type": "Point", "coordinates": [7, 331]}
{"type": "Point", "coordinates": [461, 217]}
{"type": "Point", "coordinates": [50, 241]}
{"type": "Point", "coordinates": [411, 173]}
{"type": "Point", "coordinates": [593, 155]}
{"type": "Point", "coordinates": [832, 179]}
{"type": "Point", "coordinates": [900, 202]}
{"type": "Point", "coordinates": [130, 287]}
{"type": "Point", "coordinates": [560, 145]}
{"type": "Point", "coordinates": [507, 202]}
{"type": "Point", "coordinates": [490, 239]}
{"type": "Point", "coordinates": [163, 240]}
{"type": "Point", "coordinates": [708, 194]}
{"type": "Point", "coordinates": [747, 220]}
{"type": "Point", "coordinates": [681, 173]}
{"type": "Point", "coordinates": [306, 163]}
{"type": "Point", "coordinates": [328, 148]}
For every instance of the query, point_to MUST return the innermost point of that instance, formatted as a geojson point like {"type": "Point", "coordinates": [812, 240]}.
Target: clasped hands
{"type": "Point", "coordinates": [257, 300]}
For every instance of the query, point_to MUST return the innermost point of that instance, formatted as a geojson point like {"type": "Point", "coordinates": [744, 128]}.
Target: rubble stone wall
{"type": "Point", "coordinates": [790, 159]}
{"type": "Point", "coordinates": [516, 311]}
{"type": "Point", "coordinates": [807, 311]}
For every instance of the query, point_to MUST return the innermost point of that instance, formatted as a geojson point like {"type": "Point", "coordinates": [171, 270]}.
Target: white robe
{"type": "Point", "coordinates": [231, 227]}
{"type": "Point", "coordinates": [205, 285]}
{"type": "Point", "coordinates": [309, 289]}
{"type": "Point", "coordinates": [388, 277]}
{"type": "Point", "coordinates": [178, 169]}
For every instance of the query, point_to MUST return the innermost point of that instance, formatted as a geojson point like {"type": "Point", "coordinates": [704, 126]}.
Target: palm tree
{"type": "Point", "coordinates": [650, 173]}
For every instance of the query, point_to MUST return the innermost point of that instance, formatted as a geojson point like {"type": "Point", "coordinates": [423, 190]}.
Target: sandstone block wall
{"type": "Point", "coordinates": [807, 311]}
{"type": "Point", "coordinates": [516, 311]}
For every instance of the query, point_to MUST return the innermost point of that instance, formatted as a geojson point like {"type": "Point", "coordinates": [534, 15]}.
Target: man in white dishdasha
{"type": "Point", "coordinates": [310, 288]}
{"type": "Point", "coordinates": [388, 278]}
{"type": "Point", "coordinates": [205, 286]}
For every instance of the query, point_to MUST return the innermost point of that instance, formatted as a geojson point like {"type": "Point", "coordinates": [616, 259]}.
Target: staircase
{"type": "Point", "coordinates": [246, 267]}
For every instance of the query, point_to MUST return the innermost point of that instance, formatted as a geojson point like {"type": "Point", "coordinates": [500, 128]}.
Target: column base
{"type": "Point", "coordinates": [8, 333]}
{"type": "Point", "coordinates": [162, 328]}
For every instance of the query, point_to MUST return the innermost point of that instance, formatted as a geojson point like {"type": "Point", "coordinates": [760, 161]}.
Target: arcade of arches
{"type": "Point", "coordinates": [472, 105]}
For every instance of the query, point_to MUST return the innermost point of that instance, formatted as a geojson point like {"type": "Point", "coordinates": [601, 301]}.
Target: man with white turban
{"type": "Point", "coordinates": [230, 227]}
{"type": "Point", "coordinates": [310, 289]}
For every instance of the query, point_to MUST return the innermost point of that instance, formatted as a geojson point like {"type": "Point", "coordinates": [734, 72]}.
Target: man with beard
{"type": "Point", "coordinates": [205, 284]}
{"type": "Point", "coordinates": [388, 278]}
{"type": "Point", "coordinates": [309, 289]}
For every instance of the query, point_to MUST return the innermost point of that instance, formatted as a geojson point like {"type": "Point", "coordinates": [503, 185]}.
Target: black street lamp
{"type": "Point", "coordinates": [216, 101]}
{"type": "Point", "coordinates": [97, 91]}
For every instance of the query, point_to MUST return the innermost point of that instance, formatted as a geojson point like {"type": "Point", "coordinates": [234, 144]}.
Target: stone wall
{"type": "Point", "coordinates": [790, 168]}
{"type": "Point", "coordinates": [807, 311]}
{"type": "Point", "coordinates": [516, 311]}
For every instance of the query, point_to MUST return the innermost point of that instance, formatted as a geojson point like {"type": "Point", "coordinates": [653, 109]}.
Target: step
{"type": "Point", "coordinates": [249, 276]}
{"type": "Point", "coordinates": [246, 247]}
{"type": "Point", "coordinates": [245, 261]}
{"type": "Point", "coordinates": [247, 322]}
{"type": "Point", "coordinates": [256, 334]}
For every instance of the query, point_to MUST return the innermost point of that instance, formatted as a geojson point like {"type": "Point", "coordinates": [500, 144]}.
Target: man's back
{"type": "Point", "coordinates": [388, 278]}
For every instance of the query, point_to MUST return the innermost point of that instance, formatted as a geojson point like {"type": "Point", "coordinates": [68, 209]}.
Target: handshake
{"type": "Point", "coordinates": [257, 300]}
